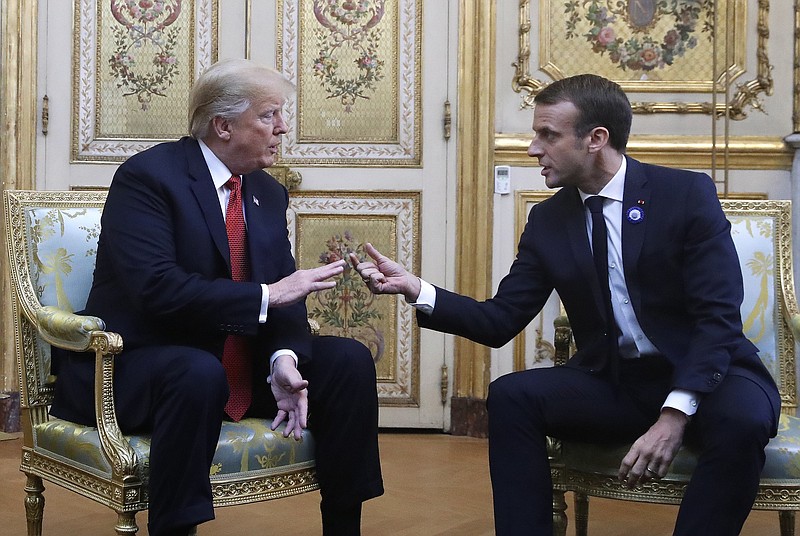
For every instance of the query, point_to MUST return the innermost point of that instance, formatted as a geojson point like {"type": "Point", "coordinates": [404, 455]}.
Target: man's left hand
{"type": "Point", "coordinates": [291, 393]}
{"type": "Point", "coordinates": [651, 455]}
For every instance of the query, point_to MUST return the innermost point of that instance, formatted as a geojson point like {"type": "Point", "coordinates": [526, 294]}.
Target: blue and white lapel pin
{"type": "Point", "coordinates": [636, 214]}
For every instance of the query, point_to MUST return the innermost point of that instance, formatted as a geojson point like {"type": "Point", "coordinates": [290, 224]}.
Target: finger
{"type": "Point", "coordinates": [374, 253]}
{"type": "Point", "coordinates": [354, 260]}
{"type": "Point", "coordinates": [279, 418]}
{"type": "Point", "coordinates": [289, 425]}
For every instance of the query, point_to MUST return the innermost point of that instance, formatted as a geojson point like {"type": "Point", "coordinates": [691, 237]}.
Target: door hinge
{"type": "Point", "coordinates": [45, 114]}
{"type": "Point", "coordinates": [447, 120]}
{"type": "Point", "coordinates": [445, 382]}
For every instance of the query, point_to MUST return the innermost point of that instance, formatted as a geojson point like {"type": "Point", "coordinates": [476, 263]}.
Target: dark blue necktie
{"type": "Point", "coordinates": [600, 254]}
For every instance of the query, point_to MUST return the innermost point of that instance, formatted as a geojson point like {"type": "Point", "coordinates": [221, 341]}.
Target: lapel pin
{"type": "Point", "coordinates": [640, 202]}
{"type": "Point", "coordinates": [635, 214]}
{"type": "Point", "coordinates": [255, 200]}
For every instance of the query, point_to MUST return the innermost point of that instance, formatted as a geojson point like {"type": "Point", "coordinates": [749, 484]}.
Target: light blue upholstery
{"type": "Point", "coordinates": [52, 244]}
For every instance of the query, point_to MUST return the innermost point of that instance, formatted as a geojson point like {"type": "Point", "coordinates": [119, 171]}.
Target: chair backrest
{"type": "Point", "coordinates": [51, 239]}
{"type": "Point", "coordinates": [762, 232]}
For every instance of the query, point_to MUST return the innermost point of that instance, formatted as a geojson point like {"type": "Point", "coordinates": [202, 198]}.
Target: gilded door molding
{"type": "Point", "coordinates": [18, 70]}
{"type": "Point", "coordinates": [476, 115]}
{"type": "Point", "coordinates": [133, 66]}
{"type": "Point", "coordinates": [327, 226]}
{"type": "Point", "coordinates": [357, 68]}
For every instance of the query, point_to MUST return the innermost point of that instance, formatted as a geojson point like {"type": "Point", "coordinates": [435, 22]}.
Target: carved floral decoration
{"type": "Point", "coordinates": [347, 63]}
{"type": "Point", "coordinates": [347, 309]}
{"type": "Point", "coordinates": [609, 19]}
{"type": "Point", "coordinates": [144, 61]}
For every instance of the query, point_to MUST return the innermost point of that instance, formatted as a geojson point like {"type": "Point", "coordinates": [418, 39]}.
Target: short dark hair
{"type": "Point", "coordinates": [600, 103]}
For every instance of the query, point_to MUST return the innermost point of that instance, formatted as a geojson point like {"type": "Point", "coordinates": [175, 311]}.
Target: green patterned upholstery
{"type": "Point", "coordinates": [51, 240]}
{"type": "Point", "coordinates": [244, 446]}
{"type": "Point", "coordinates": [761, 231]}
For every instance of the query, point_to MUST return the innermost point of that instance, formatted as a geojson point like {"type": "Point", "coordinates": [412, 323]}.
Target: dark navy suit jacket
{"type": "Point", "coordinates": [165, 279]}
{"type": "Point", "coordinates": [681, 270]}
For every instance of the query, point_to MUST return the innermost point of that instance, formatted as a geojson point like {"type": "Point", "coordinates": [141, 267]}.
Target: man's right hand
{"type": "Point", "coordinates": [385, 276]}
{"type": "Point", "coordinates": [296, 286]}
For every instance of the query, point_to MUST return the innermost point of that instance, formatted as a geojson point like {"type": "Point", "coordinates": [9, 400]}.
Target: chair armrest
{"type": "Point", "coordinates": [87, 334]}
{"type": "Point", "coordinates": [67, 330]}
{"type": "Point", "coordinates": [562, 340]}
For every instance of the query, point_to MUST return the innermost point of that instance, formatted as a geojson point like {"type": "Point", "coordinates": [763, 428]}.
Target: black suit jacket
{"type": "Point", "coordinates": [163, 269]}
{"type": "Point", "coordinates": [681, 270]}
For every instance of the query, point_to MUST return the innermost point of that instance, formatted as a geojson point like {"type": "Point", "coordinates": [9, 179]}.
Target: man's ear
{"type": "Point", "coordinates": [221, 128]}
{"type": "Point", "coordinates": [598, 138]}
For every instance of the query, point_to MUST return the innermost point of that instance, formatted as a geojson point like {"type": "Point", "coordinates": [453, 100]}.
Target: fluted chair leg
{"type": "Point", "coordinates": [126, 524]}
{"type": "Point", "coordinates": [559, 513]}
{"type": "Point", "coordinates": [34, 504]}
{"type": "Point", "coordinates": [786, 518]}
{"type": "Point", "coordinates": [581, 514]}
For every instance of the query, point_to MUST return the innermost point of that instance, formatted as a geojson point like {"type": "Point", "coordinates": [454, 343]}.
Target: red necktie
{"type": "Point", "coordinates": [236, 355]}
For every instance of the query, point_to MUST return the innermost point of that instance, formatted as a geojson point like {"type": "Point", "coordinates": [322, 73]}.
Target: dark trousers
{"type": "Point", "coordinates": [731, 428]}
{"type": "Point", "coordinates": [178, 394]}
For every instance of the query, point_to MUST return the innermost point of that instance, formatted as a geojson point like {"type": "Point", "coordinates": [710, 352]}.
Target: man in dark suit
{"type": "Point", "coordinates": [655, 312]}
{"type": "Point", "coordinates": [194, 270]}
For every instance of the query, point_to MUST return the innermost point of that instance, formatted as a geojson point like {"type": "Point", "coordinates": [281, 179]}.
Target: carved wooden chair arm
{"type": "Point", "coordinates": [80, 333]}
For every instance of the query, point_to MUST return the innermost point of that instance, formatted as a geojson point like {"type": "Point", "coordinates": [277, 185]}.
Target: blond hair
{"type": "Point", "coordinates": [228, 88]}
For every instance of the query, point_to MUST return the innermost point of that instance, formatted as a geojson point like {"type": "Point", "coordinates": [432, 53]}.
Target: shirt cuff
{"type": "Point", "coordinates": [682, 400]}
{"type": "Point", "coordinates": [426, 300]}
{"type": "Point", "coordinates": [275, 356]}
{"type": "Point", "coordinates": [262, 314]}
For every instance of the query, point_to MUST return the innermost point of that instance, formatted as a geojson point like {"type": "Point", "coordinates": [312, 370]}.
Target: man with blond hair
{"type": "Point", "coordinates": [194, 270]}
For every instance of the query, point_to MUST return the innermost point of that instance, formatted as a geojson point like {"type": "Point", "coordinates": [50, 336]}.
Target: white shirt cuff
{"type": "Point", "coordinates": [682, 400]}
{"type": "Point", "coordinates": [426, 300]}
{"type": "Point", "coordinates": [262, 315]}
{"type": "Point", "coordinates": [275, 356]}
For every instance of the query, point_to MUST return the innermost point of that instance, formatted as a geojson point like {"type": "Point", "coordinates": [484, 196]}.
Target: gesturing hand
{"type": "Point", "coordinates": [385, 276]}
{"type": "Point", "coordinates": [301, 283]}
{"type": "Point", "coordinates": [291, 393]}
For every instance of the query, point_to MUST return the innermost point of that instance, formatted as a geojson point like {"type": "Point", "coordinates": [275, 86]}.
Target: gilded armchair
{"type": "Point", "coordinates": [762, 233]}
{"type": "Point", "coordinates": [51, 239]}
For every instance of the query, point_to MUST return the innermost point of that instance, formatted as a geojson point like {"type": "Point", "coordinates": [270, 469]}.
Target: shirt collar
{"type": "Point", "coordinates": [220, 174]}
{"type": "Point", "coordinates": [615, 188]}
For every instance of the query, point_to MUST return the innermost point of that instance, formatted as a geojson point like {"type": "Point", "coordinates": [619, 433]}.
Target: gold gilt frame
{"type": "Point", "coordinates": [746, 95]}
{"type": "Point", "coordinates": [132, 71]}
{"type": "Point", "coordinates": [359, 83]}
{"type": "Point", "coordinates": [324, 227]}
{"type": "Point", "coordinates": [544, 349]}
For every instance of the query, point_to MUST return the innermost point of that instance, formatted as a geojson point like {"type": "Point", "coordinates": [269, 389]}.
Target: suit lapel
{"type": "Point", "coordinates": [206, 195]}
{"type": "Point", "coordinates": [636, 196]}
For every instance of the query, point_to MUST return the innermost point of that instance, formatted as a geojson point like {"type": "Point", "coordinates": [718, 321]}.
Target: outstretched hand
{"type": "Point", "coordinates": [296, 286]}
{"type": "Point", "coordinates": [385, 276]}
{"type": "Point", "coordinates": [291, 394]}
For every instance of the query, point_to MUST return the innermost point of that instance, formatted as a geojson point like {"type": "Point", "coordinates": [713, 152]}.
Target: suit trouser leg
{"type": "Point", "coordinates": [526, 407]}
{"type": "Point", "coordinates": [732, 426]}
{"type": "Point", "coordinates": [179, 393]}
{"type": "Point", "coordinates": [343, 415]}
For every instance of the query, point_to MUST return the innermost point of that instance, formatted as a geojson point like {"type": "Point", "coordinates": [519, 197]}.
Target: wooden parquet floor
{"type": "Point", "coordinates": [436, 485]}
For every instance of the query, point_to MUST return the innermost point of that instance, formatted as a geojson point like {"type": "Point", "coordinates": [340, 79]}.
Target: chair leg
{"type": "Point", "coordinates": [34, 504]}
{"type": "Point", "coordinates": [126, 524]}
{"type": "Point", "coordinates": [559, 513]}
{"type": "Point", "coordinates": [786, 518]}
{"type": "Point", "coordinates": [581, 514]}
